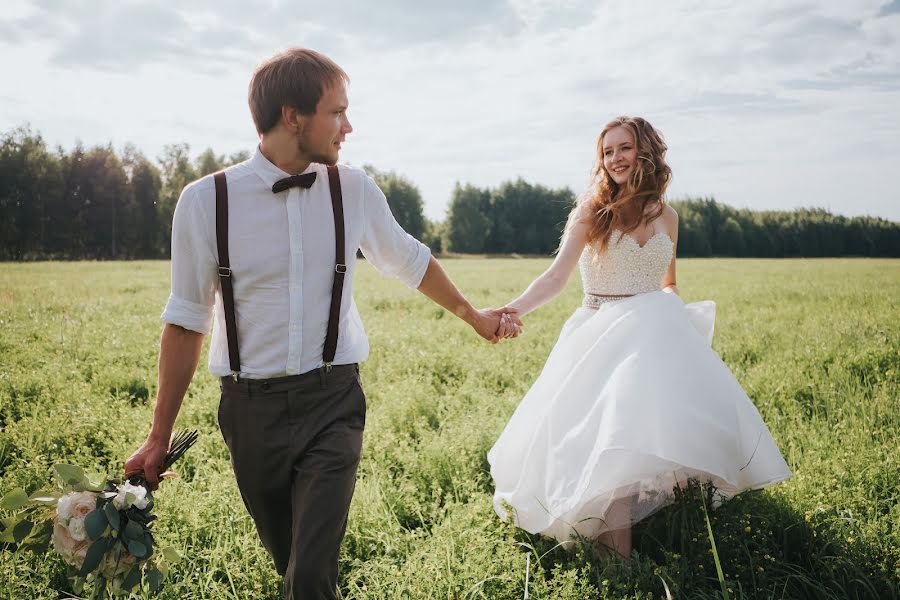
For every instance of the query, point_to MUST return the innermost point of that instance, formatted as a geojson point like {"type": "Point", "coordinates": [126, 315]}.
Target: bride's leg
{"type": "Point", "coordinates": [617, 540]}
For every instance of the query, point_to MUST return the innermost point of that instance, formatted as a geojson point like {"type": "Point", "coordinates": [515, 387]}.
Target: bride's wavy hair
{"type": "Point", "coordinates": [639, 200]}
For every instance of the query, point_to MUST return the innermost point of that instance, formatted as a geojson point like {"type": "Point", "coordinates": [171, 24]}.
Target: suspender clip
{"type": "Point", "coordinates": [224, 271]}
{"type": "Point", "coordinates": [328, 367]}
{"type": "Point", "coordinates": [339, 268]}
{"type": "Point", "coordinates": [235, 376]}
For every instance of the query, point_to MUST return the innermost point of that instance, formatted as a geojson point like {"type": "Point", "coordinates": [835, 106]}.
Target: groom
{"type": "Point", "coordinates": [267, 250]}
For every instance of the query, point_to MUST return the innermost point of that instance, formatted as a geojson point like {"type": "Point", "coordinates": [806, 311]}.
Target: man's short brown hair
{"type": "Point", "coordinates": [295, 77]}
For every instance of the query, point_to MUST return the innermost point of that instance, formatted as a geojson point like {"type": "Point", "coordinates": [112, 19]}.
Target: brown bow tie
{"type": "Point", "coordinates": [305, 181]}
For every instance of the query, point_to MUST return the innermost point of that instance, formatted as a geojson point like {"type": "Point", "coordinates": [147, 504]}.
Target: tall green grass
{"type": "Point", "coordinates": [815, 343]}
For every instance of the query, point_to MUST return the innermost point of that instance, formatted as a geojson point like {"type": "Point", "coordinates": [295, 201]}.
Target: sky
{"type": "Point", "coordinates": [763, 105]}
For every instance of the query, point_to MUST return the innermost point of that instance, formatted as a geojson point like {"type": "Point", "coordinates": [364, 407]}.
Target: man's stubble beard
{"type": "Point", "coordinates": [306, 149]}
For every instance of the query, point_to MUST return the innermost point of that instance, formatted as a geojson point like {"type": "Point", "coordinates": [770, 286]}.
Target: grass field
{"type": "Point", "coordinates": [815, 343]}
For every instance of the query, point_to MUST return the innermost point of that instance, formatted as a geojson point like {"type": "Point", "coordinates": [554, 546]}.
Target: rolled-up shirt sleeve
{"type": "Point", "coordinates": [386, 245]}
{"type": "Point", "coordinates": [194, 267]}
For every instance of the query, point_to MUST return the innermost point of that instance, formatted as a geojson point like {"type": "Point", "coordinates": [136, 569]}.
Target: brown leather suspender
{"type": "Point", "coordinates": [340, 267]}
{"type": "Point", "coordinates": [225, 273]}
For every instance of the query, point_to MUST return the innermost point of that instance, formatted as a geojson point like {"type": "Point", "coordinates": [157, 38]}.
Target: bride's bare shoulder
{"type": "Point", "coordinates": [669, 214]}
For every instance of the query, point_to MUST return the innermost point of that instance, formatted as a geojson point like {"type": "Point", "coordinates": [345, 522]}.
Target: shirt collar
{"type": "Point", "coordinates": [268, 172]}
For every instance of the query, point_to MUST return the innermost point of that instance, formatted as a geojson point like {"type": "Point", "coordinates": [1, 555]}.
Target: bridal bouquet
{"type": "Point", "coordinates": [102, 530]}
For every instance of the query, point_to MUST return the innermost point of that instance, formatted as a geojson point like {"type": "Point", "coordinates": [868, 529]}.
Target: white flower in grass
{"type": "Point", "coordinates": [139, 493]}
{"type": "Point", "coordinates": [71, 510]}
{"type": "Point", "coordinates": [72, 550]}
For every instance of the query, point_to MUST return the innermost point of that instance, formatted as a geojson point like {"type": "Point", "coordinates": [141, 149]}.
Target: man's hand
{"type": "Point", "coordinates": [494, 324]}
{"type": "Point", "coordinates": [147, 461]}
{"type": "Point", "coordinates": [179, 353]}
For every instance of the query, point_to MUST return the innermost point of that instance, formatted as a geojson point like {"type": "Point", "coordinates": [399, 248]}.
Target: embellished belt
{"type": "Point", "coordinates": [596, 300]}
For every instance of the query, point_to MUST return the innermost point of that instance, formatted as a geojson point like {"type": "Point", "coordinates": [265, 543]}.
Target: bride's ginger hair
{"type": "Point", "coordinates": [606, 205]}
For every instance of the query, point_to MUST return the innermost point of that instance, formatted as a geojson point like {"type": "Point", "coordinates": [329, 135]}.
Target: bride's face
{"type": "Point", "coordinates": [619, 154]}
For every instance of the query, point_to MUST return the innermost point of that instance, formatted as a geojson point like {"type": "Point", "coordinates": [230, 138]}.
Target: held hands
{"type": "Point", "coordinates": [494, 324]}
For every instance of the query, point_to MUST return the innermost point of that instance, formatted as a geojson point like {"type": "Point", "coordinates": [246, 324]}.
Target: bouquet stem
{"type": "Point", "coordinates": [181, 443]}
{"type": "Point", "coordinates": [99, 592]}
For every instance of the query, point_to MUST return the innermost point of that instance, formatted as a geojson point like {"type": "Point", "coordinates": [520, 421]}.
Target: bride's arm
{"type": "Point", "coordinates": [671, 220]}
{"type": "Point", "coordinates": [552, 281]}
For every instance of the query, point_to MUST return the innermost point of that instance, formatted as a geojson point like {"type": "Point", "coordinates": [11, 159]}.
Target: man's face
{"type": "Point", "coordinates": [324, 131]}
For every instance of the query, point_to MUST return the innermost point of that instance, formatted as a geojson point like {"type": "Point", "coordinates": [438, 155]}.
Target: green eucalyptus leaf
{"type": "Point", "coordinates": [94, 556]}
{"type": "Point", "coordinates": [137, 549]}
{"type": "Point", "coordinates": [69, 474]}
{"type": "Point", "coordinates": [132, 578]}
{"type": "Point", "coordinates": [95, 523]}
{"type": "Point", "coordinates": [154, 579]}
{"type": "Point", "coordinates": [14, 500]}
{"type": "Point", "coordinates": [134, 531]}
{"type": "Point", "coordinates": [112, 515]}
{"type": "Point", "coordinates": [22, 530]}
{"type": "Point", "coordinates": [45, 497]}
{"type": "Point", "coordinates": [94, 483]}
{"type": "Point", "coordinates": [8, 526]}
{"type": "Point", "coordinates": [39, 539]}
{"type": "Point", "coordinates": [170, 554]}
{"type": "Point", "coordinates": [148, 541]}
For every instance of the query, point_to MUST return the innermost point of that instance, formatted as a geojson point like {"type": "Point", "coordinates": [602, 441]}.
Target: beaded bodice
{"type": "Point", "coordinates": [626, 267]}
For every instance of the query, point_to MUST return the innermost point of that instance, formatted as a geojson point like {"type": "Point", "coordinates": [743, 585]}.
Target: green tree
{"type": "Point", "coordinates": [527, 218]}
{"type": "Point", "coordinates": [468, 225]}
{"type": "Point", "coordinates": [404, 199]}
{"type": "Point", "coordinates": [176, 172]}
{"type": "Point", "coordinates": [145, 184]}
{"type": "Point", "coordinates": [208, 162]}
{"type": "Point", "coordinates": [30, 195]}
{"type": "Point", "coordinates": [731, 237]}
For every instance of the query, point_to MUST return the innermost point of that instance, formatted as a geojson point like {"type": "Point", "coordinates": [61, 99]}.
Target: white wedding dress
{"type": "Point", "coordinates": [631, 403]}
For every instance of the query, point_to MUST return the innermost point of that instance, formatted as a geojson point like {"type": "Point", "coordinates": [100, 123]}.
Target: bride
{"type": "Point", "coordinates": [632, 401]}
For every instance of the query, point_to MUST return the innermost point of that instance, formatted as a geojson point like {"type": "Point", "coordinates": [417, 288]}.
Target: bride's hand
{"type": "Point", "coordinates": [510, 323]}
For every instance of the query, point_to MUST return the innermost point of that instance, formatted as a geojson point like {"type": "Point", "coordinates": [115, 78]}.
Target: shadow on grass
{"type": "Point", "coordinates": [766, 549]}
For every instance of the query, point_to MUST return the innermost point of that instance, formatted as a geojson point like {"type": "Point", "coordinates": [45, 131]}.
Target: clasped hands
{"type": "Point", "coordinates": [495, 324]}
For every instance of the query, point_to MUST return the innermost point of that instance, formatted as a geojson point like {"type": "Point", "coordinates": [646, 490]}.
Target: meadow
{"type": "Point", "coordinates": [815, 343]}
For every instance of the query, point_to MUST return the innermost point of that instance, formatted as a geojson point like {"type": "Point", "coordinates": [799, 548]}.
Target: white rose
{"type": "Point", "coordinates": [71, 510]}
{"type": "Point", "coordinates": [84, 504]}
{"type": "Point", "coordinates": [75, 505]}
{"type": "Point", "coordinates": [72, 550]}
{"type": "Point", "coordinates": [139, 492]}
{"type": "Point", "coordinates": [64, 505]}
{"type": "Point", "coordinates": [76, 529]}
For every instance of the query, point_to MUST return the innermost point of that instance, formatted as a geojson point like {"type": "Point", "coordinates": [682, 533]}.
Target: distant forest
{"type": "Point", "coordinates": [95, 203]}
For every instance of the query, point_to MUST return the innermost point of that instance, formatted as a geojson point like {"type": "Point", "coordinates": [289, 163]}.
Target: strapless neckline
{"type": "Point", "coordinates": [644, 245]}
{"type": "Point", "coordinates": [626, 267]}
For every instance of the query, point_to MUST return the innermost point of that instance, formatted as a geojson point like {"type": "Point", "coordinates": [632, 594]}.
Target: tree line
{"type": "Point", "coordinates": [95, 203]}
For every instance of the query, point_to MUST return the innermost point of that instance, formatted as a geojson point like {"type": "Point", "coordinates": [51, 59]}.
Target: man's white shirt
{"type": "Point", "coordinates": [282, 254]}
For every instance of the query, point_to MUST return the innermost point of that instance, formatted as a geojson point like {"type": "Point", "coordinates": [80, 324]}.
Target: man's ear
{"type": "Point", "coordinates": [293, 119]}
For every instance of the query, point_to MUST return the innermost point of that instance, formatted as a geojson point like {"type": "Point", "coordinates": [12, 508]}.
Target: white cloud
{"type": "Point", "coordinates": [763, 105]}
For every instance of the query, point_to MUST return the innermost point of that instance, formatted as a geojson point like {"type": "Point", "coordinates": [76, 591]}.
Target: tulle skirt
{"type": "Point", "coordinates": [631, 403]}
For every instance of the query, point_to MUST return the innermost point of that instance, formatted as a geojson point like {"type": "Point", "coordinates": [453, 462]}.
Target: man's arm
{"type": "Point", "coordinates": [179, 353]}
{"type": "Point", "coordinates": [438, 287]}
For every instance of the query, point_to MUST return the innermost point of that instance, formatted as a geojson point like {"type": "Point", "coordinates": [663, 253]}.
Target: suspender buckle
{"type": "Point", "coordinates": [235, 376]}
{"type": "Point", "coordinates": [328, 367]}
{"type": "Point", "coordinates": [224, 271]}
{"type": "Point", "coordinates": [339, 268]}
